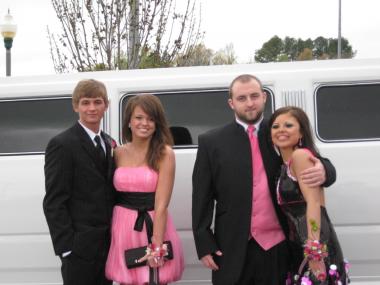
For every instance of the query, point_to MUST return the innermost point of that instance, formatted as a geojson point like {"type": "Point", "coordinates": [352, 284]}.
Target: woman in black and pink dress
{"type": "Point", "coordinates": [314, 246]}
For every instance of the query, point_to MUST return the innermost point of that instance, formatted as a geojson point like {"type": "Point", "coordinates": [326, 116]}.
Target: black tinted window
{"type": "Point", "coordinates": [193, 113]}
{"type": "Point", "coordinates": [28, 125]}
{"type": "Point", "coordinates": [348, 112]}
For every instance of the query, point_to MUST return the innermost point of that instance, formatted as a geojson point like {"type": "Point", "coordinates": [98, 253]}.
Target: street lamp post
{"type": "Point", "coordinates": [8, 30]}
{"type": "Point", "coordinates": [339, 30]}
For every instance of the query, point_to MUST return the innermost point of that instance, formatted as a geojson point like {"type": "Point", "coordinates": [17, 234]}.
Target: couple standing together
{"type": "Point", "coordinates": [236, 167]}
{"type": "Point", "coordinates": [265, 179]}
{"type": "Point", "coordinates": [91, 224]}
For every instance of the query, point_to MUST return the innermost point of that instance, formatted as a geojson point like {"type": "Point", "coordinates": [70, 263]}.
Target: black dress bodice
{"type": "Point", "coordinates": [292, 202]}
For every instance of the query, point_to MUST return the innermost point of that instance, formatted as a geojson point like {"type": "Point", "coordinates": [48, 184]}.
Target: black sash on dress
{"type": "Point", "coordinates": [142, 203]}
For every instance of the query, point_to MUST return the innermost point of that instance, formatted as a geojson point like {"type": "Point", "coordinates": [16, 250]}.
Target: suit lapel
{"type": "Point", "coordinates": [270, 158]}
{"type": "Point", "coordinates": [108, 142]}
{"type": "Point", "coordinates": [263, 144]}
{"type": "Point", "coordinates": [88, 147]}
{"type": "Point", "coordinates": [239, 143]}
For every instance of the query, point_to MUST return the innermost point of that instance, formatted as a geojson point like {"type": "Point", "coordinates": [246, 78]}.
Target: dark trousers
{"type": "Point", "coordinates": [265, 267]}
{"type": "Point", "coordinates": [79, 271]}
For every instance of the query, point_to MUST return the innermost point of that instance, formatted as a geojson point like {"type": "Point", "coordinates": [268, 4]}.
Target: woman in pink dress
{"type": "Point", "coordinates": [144, 181]}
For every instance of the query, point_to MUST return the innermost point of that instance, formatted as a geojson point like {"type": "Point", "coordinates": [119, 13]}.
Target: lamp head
{"type": "Point", "coordinates": [8, 28]}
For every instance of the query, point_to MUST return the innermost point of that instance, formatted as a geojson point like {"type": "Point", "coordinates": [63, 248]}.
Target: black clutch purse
{"type": "Point", "coordinates": [133, 255]}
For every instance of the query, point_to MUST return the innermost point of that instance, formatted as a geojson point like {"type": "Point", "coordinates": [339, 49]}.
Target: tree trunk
{"type": "Point", "coordinates": [133, 34]}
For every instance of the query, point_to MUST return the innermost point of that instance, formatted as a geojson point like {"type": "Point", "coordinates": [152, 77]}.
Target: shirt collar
{"type": "Point", "coordinates": [245, 125]}
{"type": "Point", "coordinates": [91, 133]}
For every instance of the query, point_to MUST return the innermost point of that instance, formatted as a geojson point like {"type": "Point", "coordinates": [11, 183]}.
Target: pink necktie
{"type": "Point", "coordinates": [251, 129]}
{"type": "Point", "coordinates": [256, 163]}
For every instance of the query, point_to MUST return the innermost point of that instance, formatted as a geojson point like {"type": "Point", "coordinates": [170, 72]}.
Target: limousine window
{"type": "Point", "coordinates": [191, 113]}
{"type": "Point", "coordinates": [26, 125]}
{"type": "Point", "coordinates": [348, 112]}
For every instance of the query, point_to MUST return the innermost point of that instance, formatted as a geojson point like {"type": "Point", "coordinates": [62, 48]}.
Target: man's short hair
{"type": "Point", "coordinates": [89, 88]}
{"type": "Point", "coordinates": [244, 78]}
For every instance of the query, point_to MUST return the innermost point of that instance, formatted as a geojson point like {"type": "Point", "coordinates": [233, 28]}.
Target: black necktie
{"type": "Point", "coordinates": [99, 149]}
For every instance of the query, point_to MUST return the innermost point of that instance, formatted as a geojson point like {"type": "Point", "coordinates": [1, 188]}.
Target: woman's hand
{"type": "Point", "coordinates": [315, 175]}
{"type": "Point", "coordinates": [318, 269]}
{"type": "Point", "coordinates": [155, 261]}
{"type": "Point", "coordinates": [156, 255]}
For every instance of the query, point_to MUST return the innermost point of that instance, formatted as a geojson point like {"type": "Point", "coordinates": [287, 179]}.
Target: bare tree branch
{"type": "Point", "coordinates": [116, 34]}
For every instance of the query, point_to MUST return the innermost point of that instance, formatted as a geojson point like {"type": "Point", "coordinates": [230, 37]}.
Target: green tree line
{"type": "Point", "coordinates": [291, 49]}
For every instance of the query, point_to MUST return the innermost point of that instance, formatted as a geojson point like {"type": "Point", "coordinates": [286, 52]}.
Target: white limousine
{"type": "Point", "coordinates": [341, 97]}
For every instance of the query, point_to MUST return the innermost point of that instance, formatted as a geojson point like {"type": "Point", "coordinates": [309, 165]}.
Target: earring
{"type": "Point", "coordinates": [300, 142]}
{"type": "Point", "coordinates": [129, 125]}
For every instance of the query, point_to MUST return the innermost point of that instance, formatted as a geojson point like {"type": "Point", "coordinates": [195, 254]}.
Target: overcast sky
{"type": "Point", "coordinates": [247, 24]}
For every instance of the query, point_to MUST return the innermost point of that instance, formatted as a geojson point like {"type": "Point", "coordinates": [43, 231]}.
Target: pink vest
{"type": "Point", "coordinates": [265, 228]}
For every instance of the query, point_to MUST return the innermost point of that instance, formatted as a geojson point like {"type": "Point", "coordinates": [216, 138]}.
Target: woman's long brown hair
{"type": "Point", "coordinates": [152, 106]}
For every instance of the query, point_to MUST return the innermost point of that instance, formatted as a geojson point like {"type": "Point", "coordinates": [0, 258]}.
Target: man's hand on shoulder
{"type": "Point", "coordinates": [314, 176]}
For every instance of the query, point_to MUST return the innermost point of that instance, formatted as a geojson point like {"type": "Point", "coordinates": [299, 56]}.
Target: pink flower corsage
{"type": "Point", "coordinates": [113, 145]}
{"type": "Point", "coordinates": [315, 250]}
{"type": "Point", "coordinates": [158, 251]}
{"type": "Point", "coordinates": [306, 281]}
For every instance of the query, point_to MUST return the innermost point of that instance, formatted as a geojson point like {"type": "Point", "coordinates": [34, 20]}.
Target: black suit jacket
{"type": "Point", "coordinates": [79, 193]}
{"type": "Point", "coordinates": [223, 175]}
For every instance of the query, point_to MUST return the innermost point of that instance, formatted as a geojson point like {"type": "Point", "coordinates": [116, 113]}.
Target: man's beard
{"type": "Point", "coordinates": [250, 121]}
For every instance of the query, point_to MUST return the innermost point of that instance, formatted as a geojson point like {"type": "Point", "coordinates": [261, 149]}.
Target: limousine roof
{"type": "Point", "coordinates": [194, 77]}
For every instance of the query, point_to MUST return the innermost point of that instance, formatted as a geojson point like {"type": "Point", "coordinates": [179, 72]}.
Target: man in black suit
{"type": "Point", "coordinates": [79, 193]}
{"type": "Point", "coordinates": [248, 243]}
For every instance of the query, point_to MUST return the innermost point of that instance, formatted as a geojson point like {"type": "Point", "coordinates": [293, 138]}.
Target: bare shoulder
{"type": "Point", "coordinates": [301, 157]}
{"type": "Point", "coordinates": [169, 153]}
{"type": "Point", "coordinates": [120, 150]}
{"type": "Point", "coordinates": [167, 162]}
{"type": "Point", "coordinates": [168, 157]}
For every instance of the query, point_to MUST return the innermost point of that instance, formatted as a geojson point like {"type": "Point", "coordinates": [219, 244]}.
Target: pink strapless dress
{"type": "Point", "coordinates": [123, 236]}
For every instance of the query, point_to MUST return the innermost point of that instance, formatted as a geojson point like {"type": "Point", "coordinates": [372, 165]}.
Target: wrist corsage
{"type": "Point", "coordinates": [157, 251]}
{"type": "Point", "coordinates": [138, 256]}
{"type": "Point", "coordinates": [315, 250]}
